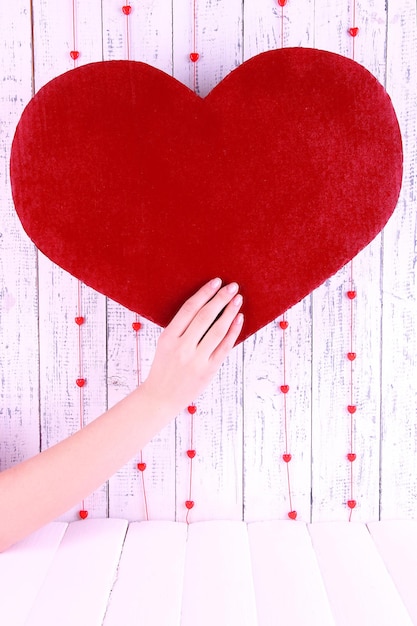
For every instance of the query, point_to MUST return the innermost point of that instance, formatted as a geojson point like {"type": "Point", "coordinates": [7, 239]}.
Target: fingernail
{"type": "Point", "coordinates": [237, 300]}
{"type": "Point", "coordinates": [239, 319]}
{"type": "Point", "coordinates": [232, 288]}
{"type": "Point", "coordinates": [215, 283]}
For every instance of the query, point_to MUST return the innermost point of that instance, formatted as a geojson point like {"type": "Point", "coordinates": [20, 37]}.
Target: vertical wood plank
{"type": "Point", "coordinates": [358, 586]}
{"type": "Point", "coordinates": [397, 544]}
{"type": "Point", "coordinates": [23, 569]}
{"type": "Point", "coordinates": [285, 569]}
{"type": "Point", "coordinates": [217, 468]}
{"type": "Point", "coordinates": [331, 321]}
{"type": "Point", "coordinates": [58, 291]}
{"type": "Point", "coordinates": [19, 357]}
{"type": "Point", "coordinates": [218, 583]}
{"type": "Point", "coordinates": [150, 36]}
{"type": "Point", "coordinates": [399, 330]}
{"type": "Point", "coordinates": [151, 568]}
{"type": "Point", "coordinates": [265, 472]}
{"type": "Point", "coordinates": [79, 581]}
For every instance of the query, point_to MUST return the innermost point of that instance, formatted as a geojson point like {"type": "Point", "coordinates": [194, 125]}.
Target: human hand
{"type": "Point", "coordinates": [193, 346]}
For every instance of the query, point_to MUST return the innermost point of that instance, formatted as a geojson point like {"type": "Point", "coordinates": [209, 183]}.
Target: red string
{"type": "Point", "coordinates": [136, 325]}
{"type": "Point", "coordinates": [351, 408]}
{"type": "Point", "coordinates": [127, 10]}
{"type": "Point", "coordinates": [284, 388]}
{"type": "Point", "coordinates": [190, 502]}
{"type": "Point", "coordinates": [353, 31]}
{"type": "Point", "coordinates": [195, 55]}
{"type": "Point", "coordinates": [80, 380]}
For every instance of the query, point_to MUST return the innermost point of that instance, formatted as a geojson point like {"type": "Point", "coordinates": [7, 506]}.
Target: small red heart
{"type": "Point", "coordinates": [351, 504]}
{"type": "Point", "coordinates": [194, 56]}
{"type": "Point", "coordinates": [83, 514]}
{"type": "Point", "coordinates": [81, 382]}
{"type": "Point", "coordinates": [282, 3]}
{"type": "Point", "coordinates": [283, 324]}
{"type": "Point", "coordinates": [191, 453]}
{"type": "Point", "coordinates": [141, 467]}
{"type": "Point", "coordinates": [294, 104]}
{"type": "Point", "coordinates": [192, 409]}
{"type": "Point", "coordinates": [127, 10]}
{"type": "Point", "coordinates": [189, 504]}
{"type": "Point", "coordinates": [351, 356]}
{"type": "Point", "coordinates": [352, 409]}
{"type": "Point", "coordinates": [351, 295]}
{"type": "Point", "coordinates": [74, 54]}
{"type": "Point", "coordinates": [292, 514]}
{"type": "Point", "coordinates": [353, 31]}
{"type": "Point", "coordinates": [79, 320]}
{"type": "Point", "coordinates": [351, 457]}
{"type": "Point", "coordinates": [287, 457]}
{"type": "Point", "coordinates": [136, 326]}
{"type": "Point", "coordinates": [285, 388]}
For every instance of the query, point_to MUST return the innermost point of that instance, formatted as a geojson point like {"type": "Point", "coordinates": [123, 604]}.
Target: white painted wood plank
{"type": "Point", "coordinates": [217, 468]}
{"type": "Point", "coordinates": [397, 544]}
{"type": "Point", "coordinates": [286, 576]}
{"type": "Point", "coordinates": [218, 584]}
{"type": "Point", "coordinates": [23, 569]}
{"type": "Point", "coordinates": [399, 330]}
{"type": "Point", "coordinates": [58, 291]}
{"type": "Point", "coordinates": [150, 32]}
{"type": "Point", "coordinates": [80, 579]}
{"type": "Point", "coordinates": [265, 473]}
{"type": "Point", "coordinates": [149, 585]}
{"type": "Point", "coordinates": [358, 585]}
{"type": "Point", "coordinates": [19, 360]}
{"type": "Point", "coordinates": [267, 26]}
{"type": "Point", "coordinates": [150, 36]}
{"type": "Point", "coordinates": [218, 36]}
{"type": "Point", "coordinates": [331, 324]}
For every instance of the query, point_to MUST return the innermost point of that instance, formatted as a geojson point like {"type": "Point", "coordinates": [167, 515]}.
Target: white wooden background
{"type": "Point", "coordinates": [239, 434]}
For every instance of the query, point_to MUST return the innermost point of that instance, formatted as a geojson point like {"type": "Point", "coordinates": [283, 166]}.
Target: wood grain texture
{"type": "Point", "coordinates": [19, 349]}
{"type": "Point", "coordinates": [399, 372]}
{"type": "Point", "coordinates": [239, 429]}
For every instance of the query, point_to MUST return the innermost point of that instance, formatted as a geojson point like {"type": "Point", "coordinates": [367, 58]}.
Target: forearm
{"type": "Point", "coordinates": [45, 486]}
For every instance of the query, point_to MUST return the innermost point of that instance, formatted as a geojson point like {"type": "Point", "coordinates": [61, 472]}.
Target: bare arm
{"type": "Point", "coordinates": [190, 351]}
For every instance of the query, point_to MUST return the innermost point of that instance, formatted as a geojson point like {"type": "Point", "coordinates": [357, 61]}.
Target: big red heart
{"type": "Point", "coordinates": [144, 190]}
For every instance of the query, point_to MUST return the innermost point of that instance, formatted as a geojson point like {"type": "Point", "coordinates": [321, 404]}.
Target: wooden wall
{"type": "Point", "coordinates": [238, 472]}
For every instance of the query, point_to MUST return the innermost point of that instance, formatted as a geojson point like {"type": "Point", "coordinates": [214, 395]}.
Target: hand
{"type": "Point", "coordinates": [194, 345]}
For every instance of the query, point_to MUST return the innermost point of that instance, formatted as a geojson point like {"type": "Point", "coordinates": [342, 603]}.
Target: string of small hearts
{"type": "Point", "coordinates": [351, 355]}
{"type": "Point", "coordinates": [192, 409]}
{"type": "Point", "coordinates": [284, 387]}
{"type": "Point", "coordinates": [141, 465]}
{"type": "Point", "coordinates": [79, 318]}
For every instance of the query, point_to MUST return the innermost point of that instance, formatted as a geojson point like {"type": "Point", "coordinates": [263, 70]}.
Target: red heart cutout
{"type": "Point", "coordinates": [281, 175]}
{"type": "Point", "coordinates": [287, 457]}
{"type": "Point", "coordinates": [292, 514]}
{"type": "Point", "coordinates": [191, 454]}
{"type": "Point", "coordinates": [189, 504]}
{"type": "Point", "coordinates": [136, 326]}
{"type": "Point", "coordinates": [141, 467]}
{"type": "Point", "coordinates": [351, 504]}
{"type": "Point", "coordinates": [83, 514]}
{"type": "Point", "coordinates": [351, 457]}
{"type": "Point", "coordinates": [285, 388]}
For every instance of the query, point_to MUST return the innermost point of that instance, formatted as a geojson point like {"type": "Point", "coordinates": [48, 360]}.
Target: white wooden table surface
{"type": "Point", "coordinates": [238, 471]}
{"type": "Point", "coordinates": [228, 573]}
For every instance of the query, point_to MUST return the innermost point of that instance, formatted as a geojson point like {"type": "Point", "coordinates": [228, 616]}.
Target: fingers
{"type": "Point", "coordinates": [224, 306]}
{"type": "Point", "coordinates": [191, 307]}
{"type": "Point", "coordinates": [223, 333]}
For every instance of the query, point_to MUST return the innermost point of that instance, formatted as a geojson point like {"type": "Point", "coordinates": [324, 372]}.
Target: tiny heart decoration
{"type": "Point", "coordinates": [144, 190]}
